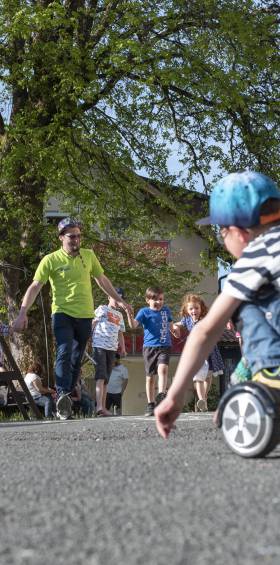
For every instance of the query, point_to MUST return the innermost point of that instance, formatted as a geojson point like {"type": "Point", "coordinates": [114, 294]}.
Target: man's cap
{"type": "Point", "coordinates": [68, 223]}
{"type": "Point", "coordinates": [120, 291]}
{"type": "Point", "coordinates": [236, 199]}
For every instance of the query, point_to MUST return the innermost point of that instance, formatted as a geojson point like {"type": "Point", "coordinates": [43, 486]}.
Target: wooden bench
{"type": "Point", "coordinates": [22, 398]}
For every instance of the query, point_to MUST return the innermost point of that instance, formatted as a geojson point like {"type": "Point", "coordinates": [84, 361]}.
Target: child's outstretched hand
{"type": "Point", "coordinates": [166, 414]}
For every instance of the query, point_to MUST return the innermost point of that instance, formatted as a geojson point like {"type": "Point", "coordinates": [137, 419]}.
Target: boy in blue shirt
{"type": "Point", "coordinates": [157, 323]}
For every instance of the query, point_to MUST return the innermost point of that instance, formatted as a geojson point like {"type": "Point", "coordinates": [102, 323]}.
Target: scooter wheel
{"type": "Point", "coordinates": [247, 428]}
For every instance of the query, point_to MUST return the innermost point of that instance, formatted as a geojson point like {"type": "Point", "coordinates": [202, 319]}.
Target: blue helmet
{"type": "Point", "coordinates": [236, 199]}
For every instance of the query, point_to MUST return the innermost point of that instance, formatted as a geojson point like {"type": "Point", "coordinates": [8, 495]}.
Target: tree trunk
{"type": "Point", "coordinates": [24, 243]}
{"type": "Point", "coordinates": [35, 343]}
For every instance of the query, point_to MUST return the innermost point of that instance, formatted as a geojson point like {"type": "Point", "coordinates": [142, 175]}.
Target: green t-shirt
{"type": "Point", "coordinates": [70, 280]}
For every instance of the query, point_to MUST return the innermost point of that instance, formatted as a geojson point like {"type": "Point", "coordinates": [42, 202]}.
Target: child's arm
{"type": "Point", "coordinates": [122, 343]}
{"type": "Point", "coordinates": [38, 385]}
{"type": "Point", "coordinates": [175, 329]}
{"type": "Point", "coordinates": [131, 320]}
{"type": "Point", "coordinates": [198, 346]}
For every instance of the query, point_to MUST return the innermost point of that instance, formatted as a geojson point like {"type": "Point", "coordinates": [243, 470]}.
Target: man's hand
{"type": "Point", "coordinates": [21, 322]}
{"type": "Point", "coordinates": [166, 414]}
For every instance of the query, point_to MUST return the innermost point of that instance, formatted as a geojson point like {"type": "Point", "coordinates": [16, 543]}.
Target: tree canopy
{"type": "Point", "coordinates": [96, 90]}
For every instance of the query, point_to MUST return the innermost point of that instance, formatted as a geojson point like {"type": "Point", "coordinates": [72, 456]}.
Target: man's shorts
{"type": "Point", "coordinates": [154, 356]}
{"type": "Point", "coordinates": [104, 361]}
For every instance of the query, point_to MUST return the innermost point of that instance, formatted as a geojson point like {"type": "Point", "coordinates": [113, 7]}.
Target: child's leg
{"type": "Point", "coordinates": [259, 323]}
{"type": "Point", "coordinates": [109, 359]}
{"type": "Point", "coordinates": [150, 388]}
{"type": "Point", "coordinates": [200, 390]}
{"type": "Point", "coordinates": [207, 385]}
{"type": "Point", "coordinates": [104, 396]}
{"type": "Point", "coordinates": [162, 377]}
{"type": "Point", "coordinates": [162, 370]}
{"type": "Point", "coordinates": [99, 394]}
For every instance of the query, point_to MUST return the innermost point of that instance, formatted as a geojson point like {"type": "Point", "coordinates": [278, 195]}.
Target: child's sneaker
{"type": "Point", "coordinates": [241, 373]}
{"type": "Point", "coordinates": [150, 409]}
{"type": "Point", "coordinates": [201, 405]}
{"type": "Point", "coordinates": [160, 397]}
{"type": "Point", "coordinates": [64, 407]}
{"type": "Point", "coordinates": [269, 377]}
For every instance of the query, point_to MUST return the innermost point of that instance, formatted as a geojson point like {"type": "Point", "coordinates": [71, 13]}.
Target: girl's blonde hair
{"type": "Point", "coordinates": [193, 298]}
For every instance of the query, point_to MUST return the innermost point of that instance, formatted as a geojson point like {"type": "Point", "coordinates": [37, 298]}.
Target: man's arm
{"type": "Point", "coordinates": [105, 284]}
{"type": "Point", "coordinates": [198, 346]}
{"type": "Point", "coordinates": [21, 322]}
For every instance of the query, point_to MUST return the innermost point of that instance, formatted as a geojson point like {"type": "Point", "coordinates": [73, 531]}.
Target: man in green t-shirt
{"type": "Point", "coordinates": [69, 270]}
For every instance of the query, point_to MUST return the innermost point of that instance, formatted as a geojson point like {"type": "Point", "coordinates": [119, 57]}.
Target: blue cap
{"type": "Point", "coordinates": [68, 223]}
{"type": "Point", "coordinates": [236, 199]}
{"type": "Point", "coordinates": [120, 291]}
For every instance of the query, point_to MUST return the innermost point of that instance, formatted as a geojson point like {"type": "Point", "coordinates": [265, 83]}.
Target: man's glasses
{"type": "Point", "coordinates": [72, 235]}
{"type": "Point", "coordinates": [221, 235]}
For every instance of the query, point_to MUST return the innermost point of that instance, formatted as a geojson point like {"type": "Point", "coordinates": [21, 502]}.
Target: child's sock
{"type": "Point", "coordinates": [269, 377]}
{"type": "Point", "coordinates": [241, 373]}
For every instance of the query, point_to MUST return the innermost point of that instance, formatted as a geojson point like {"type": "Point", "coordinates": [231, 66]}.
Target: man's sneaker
{"type": "Point", "coordinates": [201, 405]}
{"type": "Point", "coordinates": [150, 409]}
{"type": "Point", "coordinates": [64, 407]}
{"type": "Point", "coordinates": [241, 373]}
{"type": "Point", "coordinates": [269, 377]}
{"type": "Point", "coordinates": [160, 397]}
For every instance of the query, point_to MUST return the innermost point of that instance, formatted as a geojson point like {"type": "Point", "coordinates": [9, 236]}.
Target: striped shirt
{"type": "Point", "coordinates": [257, 272]}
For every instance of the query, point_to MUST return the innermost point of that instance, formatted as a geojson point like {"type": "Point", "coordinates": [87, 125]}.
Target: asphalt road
{"type": "Point", "coordinates": [111, 491]}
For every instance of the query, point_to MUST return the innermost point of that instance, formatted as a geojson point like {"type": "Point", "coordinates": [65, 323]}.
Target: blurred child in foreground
{"type": "Point", "coordinates": [246, 206]}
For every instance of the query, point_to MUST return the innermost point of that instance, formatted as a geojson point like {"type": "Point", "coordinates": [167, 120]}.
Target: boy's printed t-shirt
{"type": "Point", "coordinates": [106, 332]}
{"type": "Point", "coordinates": [258, 269]}
{"type": "Point", "coordinates": [156, 326]}
{"type": "Point", "coordinates": [70, 280]}
{"type": "Point", "coordinates": [118, 375]}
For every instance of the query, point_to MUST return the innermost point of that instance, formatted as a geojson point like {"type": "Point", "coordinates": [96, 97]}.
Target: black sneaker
{"type": "Point", "coordinates": [150, 409]}
{"type": "Point", "coordinates": [64, 407]}
{"type": "Point", "coordinates": [160, 397]}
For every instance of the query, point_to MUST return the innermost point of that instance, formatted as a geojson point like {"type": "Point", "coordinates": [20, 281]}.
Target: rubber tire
{"type": "Point", "coordinates": [269, 427]}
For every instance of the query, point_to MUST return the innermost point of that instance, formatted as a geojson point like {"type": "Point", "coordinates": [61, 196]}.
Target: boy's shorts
{"type": "Point", "coordinates": [104, 361]}
{"type": "Point", "coordinates": [154, 356]}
